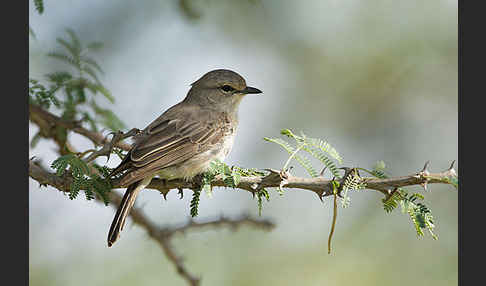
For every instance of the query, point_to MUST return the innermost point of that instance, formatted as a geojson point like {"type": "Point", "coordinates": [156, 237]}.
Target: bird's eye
{"type": "Point", "coordinates": [227, 88]}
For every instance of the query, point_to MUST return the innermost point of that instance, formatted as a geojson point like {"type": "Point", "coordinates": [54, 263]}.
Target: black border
{"type": "Point", "coordinates": [14, 208]}
{"type": "Point", "coordinates": [471, 49]}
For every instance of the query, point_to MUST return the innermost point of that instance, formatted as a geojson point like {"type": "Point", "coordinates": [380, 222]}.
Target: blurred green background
{"type": "Point", "coordinates": [377, 79]}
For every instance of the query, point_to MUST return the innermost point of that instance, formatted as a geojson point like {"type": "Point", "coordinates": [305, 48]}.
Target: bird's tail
{"type": "Point", "coordinates": [124, 209]}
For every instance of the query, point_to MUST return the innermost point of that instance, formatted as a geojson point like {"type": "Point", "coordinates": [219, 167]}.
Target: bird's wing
{"type": "Point", "coordinates": [171, 139]}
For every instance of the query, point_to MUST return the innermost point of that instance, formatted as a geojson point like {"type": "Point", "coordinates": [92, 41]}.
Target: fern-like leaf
{"type": "Point", "coordinates": [195, 203]}
{"type": "Point", "coordinates": [75, 42]}
{"type": "Point", "coordinates": [92, 62]}
{"type": "Point", "coordinates": [108, 117]}
{"type": "Point", "coordinates": [70, 48]}
{"type": "Point", "coordinates": [318, 154]}
{"type": "Point", "coordinates": [304, 162]}
{"type": "Point", "coordinates": [324, 147]}
{"type": "Point", "coordinates": [65, 58]}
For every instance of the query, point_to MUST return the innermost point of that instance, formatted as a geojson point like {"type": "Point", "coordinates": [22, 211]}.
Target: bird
{"type": "Point", "coordinates": [183, 141]}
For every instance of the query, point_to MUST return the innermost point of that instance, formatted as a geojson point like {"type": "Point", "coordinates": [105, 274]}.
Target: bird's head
{"type": "Point", "coordinates": [220, 89]}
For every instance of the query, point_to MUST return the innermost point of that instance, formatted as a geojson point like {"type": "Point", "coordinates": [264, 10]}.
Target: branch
{"type": "Point", "coordinates": [162, 235]}
{"type": "Point", "coordinates": [321, 186]}
{"type": "Point", "coordinates": [47, 122]}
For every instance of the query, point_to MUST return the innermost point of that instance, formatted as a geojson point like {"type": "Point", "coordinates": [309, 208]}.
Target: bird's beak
{"type": "Point", "coordinates": [249, 90]}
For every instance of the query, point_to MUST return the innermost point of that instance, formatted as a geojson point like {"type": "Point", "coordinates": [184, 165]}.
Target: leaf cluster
{"type": "Point", "coordinates": [420, 214]}
{"type": "Point", "coordinates": [83, 178]}
{"type": "Point", "coordinates": [321, 150]}
{"type": "Point", "coordinates": [73, 90]}
{"type": "Point", "coordinates": [231, 177]}
{"type": "Point", "coordinates": [317, 148]}
{"type": "Point", "coordinates": [352, 181]}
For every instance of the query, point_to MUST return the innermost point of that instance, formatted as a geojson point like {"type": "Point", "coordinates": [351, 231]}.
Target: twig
{"type": "Point", "coordinates": [108, 145]}
{"type": "Point", "coordinates": [333, 225]}
{"type": "Point", "coordinates": [222, 221]}
{"type": "Point", "coordinates": [47, 121]}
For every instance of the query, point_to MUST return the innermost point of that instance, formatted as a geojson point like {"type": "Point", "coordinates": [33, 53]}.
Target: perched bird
{"type": "Point", "coordinates": [184, 139]}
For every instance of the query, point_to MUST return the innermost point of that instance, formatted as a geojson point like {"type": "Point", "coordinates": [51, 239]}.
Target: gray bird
{"type": "Point", "coordinates": [184, 139]}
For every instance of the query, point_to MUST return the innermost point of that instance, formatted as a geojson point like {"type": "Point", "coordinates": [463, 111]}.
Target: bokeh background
{"type": "Point", "coordinates": [376, 79]}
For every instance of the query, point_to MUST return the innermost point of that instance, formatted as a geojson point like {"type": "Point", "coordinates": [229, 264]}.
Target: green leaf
{"type": "Point", "coordinates": [108, 117]}
{"type": "Point", "coordinates": [195, 203]}
{"type": "Point", "coordinates": [92, 73]}
{"type": "Point", "coordinates": [31, 33]}
{"type": "Point", "coordinates": [39, 6]}
{"type": "Point", "coordinates": [94, 46]}
{"type": "Point", "coordinates": [69, 47]}
{"type": "Point", "coordinates": [92, 63]}
{"type": "Point", "coordinates": [74, 188]}
{"type": "Point", "coordinates": [263, 193]}
{"type": "Point", "coordinates": [59, 77]}
{"type": "Point", "coordinates": [304, 162]}
{"type": "Point", "coordinates": [35, 140]}
{"type": "Point", "coordinates": [78, 167]}
{"type": "Point", "coordinates": [65, 58]}
{"type": "Point", "coordinates": [75, 42]}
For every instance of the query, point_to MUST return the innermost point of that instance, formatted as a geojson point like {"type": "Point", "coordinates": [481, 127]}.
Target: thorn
{"type": "Point", "coordinates": [424, 185]}
{"type": "Point", "coordinates": [452, 165]}
{"type": "Point", "coordinates": [288, 169]}
{"type": "Point", "coordinates": [424, 170]}
{"type": "Point", "coordinates": [319, 194]}
{"type": "Point", "coordinates": [164, 195]}
{"type": "Point", "coordinates": [180, 193]}
{"type": "Point", "coordinates": [322, 172]}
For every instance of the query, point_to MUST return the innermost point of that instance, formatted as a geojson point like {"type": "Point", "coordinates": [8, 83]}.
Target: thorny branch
{"type": "Point", "coordinates": [320, 185]}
